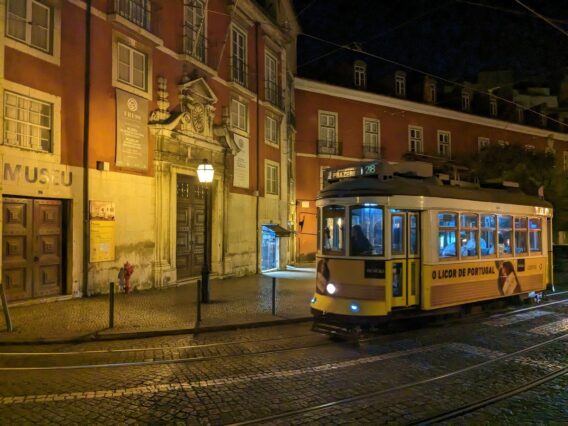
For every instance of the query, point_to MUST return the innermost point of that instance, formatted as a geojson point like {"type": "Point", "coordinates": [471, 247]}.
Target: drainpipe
{"type": "Point", "coordinates": [86, 230]}
{"type": "Point", "coordinates": [258, 165]}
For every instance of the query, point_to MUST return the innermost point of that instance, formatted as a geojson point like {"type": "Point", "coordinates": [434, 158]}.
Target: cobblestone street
{"type": "Point", "coordinates": [290, 375]}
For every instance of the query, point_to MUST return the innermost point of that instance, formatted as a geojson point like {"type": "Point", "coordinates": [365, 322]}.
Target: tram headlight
{"type": "Point", "coordinates": [354, 307]}
{"type": "Point", "coordinates": [313, 300]}
{"type": "Point", "coordinates": [330, 288]}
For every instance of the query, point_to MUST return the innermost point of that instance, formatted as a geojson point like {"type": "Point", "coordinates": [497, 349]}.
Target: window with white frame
{"type": "Point", "coordinates": [136, 11]}
{"type": "Point", "coordinates": [27, 122]}
{"type": "Point", "coordinates": [239, 56]}
{"type": "Point", "coordinates": [400, 84]}
{"type": "Point", "coordinates": [30, 22]}
{"type": "Point", "coordinates": [565, 161]}
{"type": "Point", "coordinates": [466, 101]}
{"type": "Point", "coordinates": [415, 139]}
{"type": "Point", "coordinates": [327, 126]}
{"type": "Point", "coordinates": [444, 143]}
{"type": "Point", "coordinates": [493, 107]}
{"type": "Point", "coordinates": [271, 75]}
{"type": "Point", "coordinates": [360, 74]}
{"type": "Point", "coordinates": [239, 115]}
{"type": "Point", "coordinates": [482, 143]}
{"type": "Point", "coordinates": [272, 178]}
{"type": "Point", "coordinates": [372, 136]}
{"type": "Point", "coordinates": [271, 130]}
{"type": "Point", "coordinates": [132, 67]}
{"type": "Point", "coordinates": [194, 29]}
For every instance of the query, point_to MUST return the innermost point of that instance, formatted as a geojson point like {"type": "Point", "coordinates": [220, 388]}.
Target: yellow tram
{"type": "Point", "coordinates": [393, 238]}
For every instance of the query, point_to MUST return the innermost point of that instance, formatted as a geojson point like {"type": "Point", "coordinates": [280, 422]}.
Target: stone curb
{"type": "Point", "coordinates": [109, 335]}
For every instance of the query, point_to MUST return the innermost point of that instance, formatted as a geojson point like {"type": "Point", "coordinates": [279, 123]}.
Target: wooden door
{"type": "Point", "coordinates": [33, 248]}
{"type": "Point", "coordinates": [17, 251]}
{"type": "Point", "coordinates": [190, 220]}
{"type": "Point", "coordinates": [47, 248]}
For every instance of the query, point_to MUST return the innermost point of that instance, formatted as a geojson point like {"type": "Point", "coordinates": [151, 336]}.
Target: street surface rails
{"type": "Point", "coordinates": [508, 368]}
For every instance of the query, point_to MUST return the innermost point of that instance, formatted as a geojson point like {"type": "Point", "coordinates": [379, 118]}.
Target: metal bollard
{"type": "Point", "coordinates": [198, 319]}
{"type": "Point", "coordinates": [273, 296]}
{"type": "Point", "coordinates": [7, 317]}
{"type": "Point", "coordinates": [111, 305]}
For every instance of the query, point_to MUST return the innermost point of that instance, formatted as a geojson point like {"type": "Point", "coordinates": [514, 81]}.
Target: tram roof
{"type": "Point", "coordinates": [429, 187]}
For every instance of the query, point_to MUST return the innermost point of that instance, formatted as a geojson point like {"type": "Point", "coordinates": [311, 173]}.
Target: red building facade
{"type": "Point", "coordinates": [108, 108]}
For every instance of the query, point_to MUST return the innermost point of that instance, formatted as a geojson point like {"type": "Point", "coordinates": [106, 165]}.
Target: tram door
{"type": "Point", "coordinates": [405, 252]}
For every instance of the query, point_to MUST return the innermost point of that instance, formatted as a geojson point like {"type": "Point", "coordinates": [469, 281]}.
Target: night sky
{"type": "Point", "coordinates": [453, 39]}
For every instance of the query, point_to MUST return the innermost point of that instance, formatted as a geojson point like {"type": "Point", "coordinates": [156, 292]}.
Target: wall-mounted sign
{"type": "Point", "coordinates": [131, 131]}
{"type": "Point", "coordinates": [241, 163]}
{"type": "Point", "coordinates": [102, 231]}
{"type": "Point", "coordinates": [36, 175]}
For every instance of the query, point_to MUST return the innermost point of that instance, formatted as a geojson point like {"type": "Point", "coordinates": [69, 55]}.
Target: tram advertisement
{"type": "Point", "coordinates": [503, 277]}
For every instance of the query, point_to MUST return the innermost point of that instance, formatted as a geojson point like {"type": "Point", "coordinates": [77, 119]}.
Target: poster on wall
{"type": "Point", "coordinates": [241, 163]}
{"type": "Point", "coordinates": [102, 231]}
{"type": "Point", "coordinates": [131, 131]}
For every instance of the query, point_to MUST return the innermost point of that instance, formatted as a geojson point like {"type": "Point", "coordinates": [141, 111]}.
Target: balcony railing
{"type": "Point", "coordinates": [329, 147]}
{"type": "Point", "coordinates": [273, 94]}
{"type": "Point", "coordinates": [371, 151]}
{"type": "Point", "coordinates": [194, 42]}
{"type": "Point", "coordinates": [239, 71]}
{"type": "Point", "coordinates": [136, 11]}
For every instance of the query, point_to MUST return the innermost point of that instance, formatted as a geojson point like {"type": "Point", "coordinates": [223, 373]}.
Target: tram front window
{"type": "Point", "coordinates": [333, 230]}
{"type": "Point", "coordinates": [447, 233]}
{"type": "Point", "coordinates": [366, 231]}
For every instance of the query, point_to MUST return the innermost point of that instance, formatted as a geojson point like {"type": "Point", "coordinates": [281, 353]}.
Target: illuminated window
{"type": "Point", "coordinates": [239, 115]}
{"type": "Point", "coordinates": [505, 235]}
{"type": "Point", "coordinates": [333, 230]}
{"type": "Point", "coordinates": [487, 240]}
{"type": "Point", "coordinates": [447, 235]}
{"type": "Point", "coordinates": [535, 235]}
{"type": "Point", "coordinates": [444, 143]}
{"type": "Point", "coordinates": [521, 235]}
{"type": "Point", "coordinates": [30, 22]}
{"type": "Point", "coordinates": [132, 67]}
{"type": "Point", "coordinates": [27, 122]}
{"type": "Point", "coordinates": [366, 236]}
{"type": "Point", "coordinates": [415, 139]}
{"type": "Point", "coordinates": [468, 235]}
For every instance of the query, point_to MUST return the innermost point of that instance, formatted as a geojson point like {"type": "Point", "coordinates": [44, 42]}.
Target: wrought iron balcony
{"type": "Point", "coordinates": [239, 71]}
{"type": "Point", "coordinates": [136, 11]}
{"type": "Point", "coordinates": [329, 147]}
{"type": "Point", "coordinates": [273, 94]}
{"type": "Point", "coordinates": [194, 42]}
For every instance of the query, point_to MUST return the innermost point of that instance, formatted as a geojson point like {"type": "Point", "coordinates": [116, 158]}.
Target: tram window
{"type": "Point", "coordinates": [447, 233]}
{"type": "Point", "coordinates": [468, 235]}
{"type": "Point", "coordinates": [333, 232]}
{"type": "Point", "coordinates": [487, 237]}
{"type": "Point", "coordinates": [413, 249]}
{"type": "Point", "coordinates": [521, 235]}
{"type": "Point", "coordinates": [397, 234]}
{"type": "Point", "coordinates": [505, 234]}
{"type": "Point", "coordinates": [366, 231]}
{"type": "Point", "coordinates": [318, 221]}
{"type": "Point", "coordinates": [535, 235]}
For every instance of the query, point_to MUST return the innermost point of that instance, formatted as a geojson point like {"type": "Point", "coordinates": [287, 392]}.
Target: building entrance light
{"type": "Point", "coordinates": [205, 172]}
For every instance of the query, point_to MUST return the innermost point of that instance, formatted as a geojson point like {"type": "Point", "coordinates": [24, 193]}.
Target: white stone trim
{"type": "Point", "coordinates": [387, 101]}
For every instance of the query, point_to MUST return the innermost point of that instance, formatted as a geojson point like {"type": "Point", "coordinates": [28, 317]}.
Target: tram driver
{"type": "Point", "coordinates": [360, 244]}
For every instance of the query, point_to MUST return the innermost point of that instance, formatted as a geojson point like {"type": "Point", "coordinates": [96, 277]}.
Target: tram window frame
{"type": "Point", "coordinates": [538, 231]}
{"type": "Point", "coordinates": [501, 246]}
{"type": "Point", "coordinates": [521, 231]}
{"type": "Point", "coordinates": [319, 227]}
{"type": "Point", "coordinates": [341, 234]}
{"type": "Point", "coordinates": [467, 227]}
{"type": "Point", "coordinates": [382, 230]}
{"type": "Point", "coordinates": [486, 229]}
{"type": "Point", "coordinates": [448, 229]}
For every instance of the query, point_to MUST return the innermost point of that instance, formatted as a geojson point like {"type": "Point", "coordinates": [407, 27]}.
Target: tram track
{"type": "Point", "coordinates": [470, 407]}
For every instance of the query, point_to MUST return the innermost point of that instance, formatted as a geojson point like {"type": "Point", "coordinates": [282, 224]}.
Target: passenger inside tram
{"type": "Point", "coordinates": [360, 245]}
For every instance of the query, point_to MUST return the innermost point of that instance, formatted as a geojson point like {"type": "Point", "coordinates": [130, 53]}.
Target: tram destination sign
{"type": "Point", "coordinates": [368, 169]}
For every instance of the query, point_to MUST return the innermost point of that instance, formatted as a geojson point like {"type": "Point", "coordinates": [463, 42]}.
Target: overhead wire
{"type": "Point", "coordinates": [544, 18]}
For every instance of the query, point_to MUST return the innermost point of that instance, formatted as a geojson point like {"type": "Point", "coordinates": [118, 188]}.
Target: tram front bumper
{"type": "Point", "coordinates": [348, 307]}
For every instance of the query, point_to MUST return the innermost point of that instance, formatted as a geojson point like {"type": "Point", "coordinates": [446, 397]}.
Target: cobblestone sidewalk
{"type": "Point", "coordinates": [233, 301]}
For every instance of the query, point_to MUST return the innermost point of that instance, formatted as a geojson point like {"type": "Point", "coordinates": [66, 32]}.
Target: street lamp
{"type": "Point", "coordinates": [205, 173]}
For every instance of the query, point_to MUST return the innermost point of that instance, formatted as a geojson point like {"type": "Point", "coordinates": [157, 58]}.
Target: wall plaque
{"type": "Point", "coordinates": [241, 163]}
{"type": "Point", "coordinates": [131, 131]}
